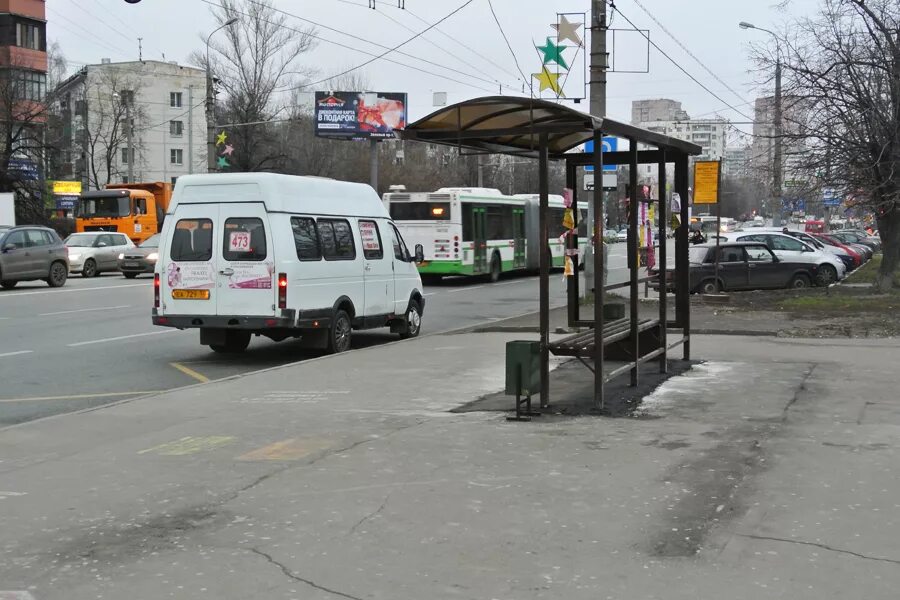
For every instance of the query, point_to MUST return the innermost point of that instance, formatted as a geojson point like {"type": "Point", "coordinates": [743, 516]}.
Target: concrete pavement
{"type": "Point", "coordinates": [769, 471]}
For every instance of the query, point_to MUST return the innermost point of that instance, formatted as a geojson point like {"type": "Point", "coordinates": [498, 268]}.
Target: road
{"type": "Point", "coordinates": [91, 342]}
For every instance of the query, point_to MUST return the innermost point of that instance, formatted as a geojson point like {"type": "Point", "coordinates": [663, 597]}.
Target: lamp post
{"type": "Point", "coordinates": [776, 179]}
{"type": "Point", "coordinates": [210, 104]}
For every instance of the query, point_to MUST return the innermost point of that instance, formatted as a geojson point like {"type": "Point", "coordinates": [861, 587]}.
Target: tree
{"type": "Point", "coordinates": [843, 65]}
{"type": "Point", "coordinates": [23, 118]}
{"type": "Point", "coordinates": [109, 98]}
{"type": "Point", "coordinates": [256, 61]}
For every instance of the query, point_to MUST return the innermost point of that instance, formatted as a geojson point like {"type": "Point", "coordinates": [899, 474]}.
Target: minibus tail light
{"type": "Point", "coordinates": [156, 290]}
{"type": "Point", "coordinates": [282, 290]}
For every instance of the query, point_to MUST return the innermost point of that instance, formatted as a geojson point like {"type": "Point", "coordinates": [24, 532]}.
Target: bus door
{"type": "Point", "coordinates": [518, 219]}
{"type": "Point", "coordinates": [479, 239]}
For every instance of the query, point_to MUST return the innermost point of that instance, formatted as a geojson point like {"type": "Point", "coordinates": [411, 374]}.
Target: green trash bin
{"type": "Point", "coordinates": [523, 359]}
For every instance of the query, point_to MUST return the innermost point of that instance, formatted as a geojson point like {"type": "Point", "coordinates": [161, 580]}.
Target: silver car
{"type": "Point", "coordinates": [92, 253]}
{"type": "Point", "coordinates": [141, 259]}
{"type": "Point", "coordinates": [32, 252]}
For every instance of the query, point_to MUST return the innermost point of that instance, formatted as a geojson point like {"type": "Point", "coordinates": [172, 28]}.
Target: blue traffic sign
{"type": "Point", "coordinates": [830, 197]}
{"type": "Point", "coordinates": [610, 144]}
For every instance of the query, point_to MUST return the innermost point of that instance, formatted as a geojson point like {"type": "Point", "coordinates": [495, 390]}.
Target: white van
{"type": "Point", "coordinates": [282, 256]}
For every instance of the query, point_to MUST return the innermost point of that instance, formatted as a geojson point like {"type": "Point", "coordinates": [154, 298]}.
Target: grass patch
{"type": "Point", "coordinates": [868, 272]}
{"type": "Point", "coordinates": [841, 304]}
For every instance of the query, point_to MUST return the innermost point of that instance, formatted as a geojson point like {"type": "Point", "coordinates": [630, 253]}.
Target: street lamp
{"type": "Point", "coordinates": [776, 182]}
{"type": "Point", "coordinates": [210, 103]}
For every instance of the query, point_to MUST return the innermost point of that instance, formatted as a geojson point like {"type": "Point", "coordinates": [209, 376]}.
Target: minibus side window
{"type": "Point", "coordinates": [371, 240]}
{"type": "Point", "coordinates": [337, 239]}
{"type": "Point", "coordinates": [306, 240]}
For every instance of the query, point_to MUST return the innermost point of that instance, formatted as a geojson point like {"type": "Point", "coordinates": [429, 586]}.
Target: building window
{"type": "Point", "coordinates": [176, 156]}
{"type": "Point", "coordinates": [32, 85]}
{"type": "Point", "coordinates": [125, 156]}
{"type": "Point", "coordinates": [175, 99]}
{"type": "Point", "coordinates": [125, 179]}
{"type": "Point", "coordinates": [28, 36]}
{"type": "Point", "coordinates": [176, 128]}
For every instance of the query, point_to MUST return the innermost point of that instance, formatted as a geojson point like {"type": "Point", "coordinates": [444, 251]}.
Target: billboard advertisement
{"type": "Point", "coordinates": [359, 115]}
{"type": "Point", "coordinates": [65, 194]}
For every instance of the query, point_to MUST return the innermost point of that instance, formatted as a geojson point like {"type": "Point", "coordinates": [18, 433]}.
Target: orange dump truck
{"type": "Point", "coordinates": [135, 209]}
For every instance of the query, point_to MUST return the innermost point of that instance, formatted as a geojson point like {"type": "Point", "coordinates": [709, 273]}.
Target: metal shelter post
{"type": "Point", "coordinates": [544, 283]}
{"type": "Point", "coordinates": [599, 292]}
{"type": "Point", "coordinates": [662, 217]}
{"type": "Point", "coordinates": [682, 291]}
{"type": "Point", "coordinates": [633, 255]}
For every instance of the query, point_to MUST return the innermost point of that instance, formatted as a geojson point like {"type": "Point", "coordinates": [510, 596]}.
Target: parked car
{"type": "Point", "coordinates": [94, 252]}
{"type": "Point", "coordinates": [858, 237]}
{"type": "Point", "coordinates": [283, 257]}
{"type": "Point", "coordinates": [622, 236]}
{"type": "Point", "coordinates": [788, 248]}
{"type": "Point", "coordinates": [742, 266]}
{"type": "Point", "coordinates": [31, 252]}
{"type": "Point", "coordinates": [140, 259]}
{"type": "Point", "coordinates": [855, 254]}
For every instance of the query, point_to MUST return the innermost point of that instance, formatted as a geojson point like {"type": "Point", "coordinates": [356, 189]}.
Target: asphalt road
{"type": "Point", "coordinates": [91, 342]}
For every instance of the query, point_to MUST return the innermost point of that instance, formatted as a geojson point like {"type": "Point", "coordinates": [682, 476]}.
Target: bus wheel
{"type": "Point", "coordinates": [495, 268]}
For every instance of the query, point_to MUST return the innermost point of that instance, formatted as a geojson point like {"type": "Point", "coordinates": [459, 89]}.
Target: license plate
{"type": "Point", "coordinates": [129, 264]}
{"type": "Point", "coordinates": [190, 294]}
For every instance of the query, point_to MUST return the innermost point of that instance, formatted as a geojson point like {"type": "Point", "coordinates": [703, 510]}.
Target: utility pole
{"type": "Point", "coordinates": [210, 122]}
{"type": "Point", "coordinates": [127, 96]}
{"type": "Point", "coordinates": [373, 163]}
{"type": "Point", "coordinates": [778, 135]}
{"type": "Point", "coordinates": [598, 109]}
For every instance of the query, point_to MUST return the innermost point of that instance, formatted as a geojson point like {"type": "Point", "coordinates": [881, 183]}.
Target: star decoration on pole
{"type": "Point", "coordinates": [553, 53]}
{"type": "Point", "coordinates": [229, 149]}
{"type": "Point", "coordinates": [222, 162]}
{"type": "Point", "coordinates": [549, 81]}
{"type": "Point", "coordinates": [220, 138]}
{"type": "Point", "coordinates": [565, 30]}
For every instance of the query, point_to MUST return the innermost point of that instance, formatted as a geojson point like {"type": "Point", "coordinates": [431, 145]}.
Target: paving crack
{"type": "Point", "coordinates": [371, 515]}
{"type": "Point", "coordinates": [822, 546]}
{"type": "Point", "coordinates": [801, 389]}
{"type": "Point", "coordinates": [293, 576]}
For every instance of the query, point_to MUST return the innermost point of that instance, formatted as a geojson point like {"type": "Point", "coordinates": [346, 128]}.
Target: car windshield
{"type": "Point", "coordinates": [697, 255]}
{"type": "Point", "coordinates": [151, 242]}
{"type": "Point", "coordinates": [104, 207]}
{"type": "Point", "coordinates": [81, 240]}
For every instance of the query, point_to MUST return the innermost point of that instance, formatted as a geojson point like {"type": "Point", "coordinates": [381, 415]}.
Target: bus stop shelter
{"type": "Point", "coordinates": [549, 131]}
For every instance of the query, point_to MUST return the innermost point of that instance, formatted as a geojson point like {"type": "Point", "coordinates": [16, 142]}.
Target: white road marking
{"type": "Point", "coordinates": [68, 291]}
{"type": "Point", "coordinates": [16, 353]}
{"type": "Point", "coordinates": [465, 289]}
{"type": "Point", "coordinates": [121, 337]}
{"type": "Point", "coordinates": [69, 312]}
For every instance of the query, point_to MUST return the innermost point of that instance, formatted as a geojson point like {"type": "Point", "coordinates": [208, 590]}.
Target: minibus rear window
{"type": "Point", "coordinates": [192, 240]}
{"type": "Point", "coordinates": [244, 240]}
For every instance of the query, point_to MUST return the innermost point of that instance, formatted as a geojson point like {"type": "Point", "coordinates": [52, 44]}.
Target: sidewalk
{"type": "Point", "coordinates": [769, 471]}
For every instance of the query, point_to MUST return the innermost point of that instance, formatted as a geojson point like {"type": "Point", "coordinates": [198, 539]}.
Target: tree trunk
{"type": "Point", "coordinates": [889, 228]}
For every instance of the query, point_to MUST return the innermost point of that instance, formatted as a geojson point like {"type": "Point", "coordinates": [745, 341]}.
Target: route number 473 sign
{"type": "Point", "coordinates": [239, 241]}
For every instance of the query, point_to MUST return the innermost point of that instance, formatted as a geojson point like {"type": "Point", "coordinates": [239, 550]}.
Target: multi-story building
{"type": "Point", "coordinates": [737, 161]}
{"type": "Point", "coordinates": [163, 101]}
{"type": "Point", "coordinates": [763, 148]}
{"type": "Point", "coordinates": [709, 134]}
{"type": "Point", "coordinates": [659, 109]}
{"type": "Point", "coordinates": [23, 85]}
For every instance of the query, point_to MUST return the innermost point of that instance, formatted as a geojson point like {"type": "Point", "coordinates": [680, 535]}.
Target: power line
{"type": "Point", "coordinates": [97, 42]}
{"type": "Point", "coordinates": [383, 47]}
{"type": "Point", "coordinates": [505, 39]}
{"type": "Point", "coordinates": [122, 21]}
{"type": "Point", "coordinates": [376, 57]}
{"type": "Point", "coordinates": [685, 48]}
{"type": "Point", "coordinates": [676, 63]}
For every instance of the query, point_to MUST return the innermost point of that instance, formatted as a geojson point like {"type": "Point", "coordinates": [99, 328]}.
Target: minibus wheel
{"type": "Point", "coordinates": [340, 333]}
{"type": "Point", "coordinates": [413, 321]}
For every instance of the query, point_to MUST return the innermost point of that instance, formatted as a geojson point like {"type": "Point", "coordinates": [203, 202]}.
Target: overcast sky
{"type": "Point", "coordinates": [468, 42]}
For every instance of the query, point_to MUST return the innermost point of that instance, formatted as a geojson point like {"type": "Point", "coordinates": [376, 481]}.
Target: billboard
{"type": "Point", "coordinates": [65, 194]}
{"type": "Point", "coordinates": [359, 115]}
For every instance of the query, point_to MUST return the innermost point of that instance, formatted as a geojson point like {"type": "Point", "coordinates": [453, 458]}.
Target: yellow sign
{"type": "Point", "coordinates": [706, 182]}
{"type": "Point", "coordinates": [68, 188]}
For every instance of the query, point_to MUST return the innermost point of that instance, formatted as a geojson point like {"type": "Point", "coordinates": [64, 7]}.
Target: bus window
{"type": "Point", "coordinates": [499, 223]}
{"type": "Point", "coordinates": [420, 211]}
